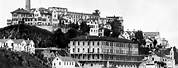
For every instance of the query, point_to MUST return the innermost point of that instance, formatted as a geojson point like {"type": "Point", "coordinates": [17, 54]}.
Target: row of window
{"type": "Point", "coordinates": [116, 44]}
{"type": "Point", "coordinates": [88, 50]}
{"type": "Point", "coordinates": [88, 57]}
{"type": "Point", "coordinates": [103, 57]}
{"type": "Point", "coordinates": [30, 15]}
{"type": "Point", "coordinates": [66, 63]}
{"type": "Point", "coordinates": [97, 50]}
{"type": "Point", "coordinates": [39, 24]}
{"type": "Point", "coordinates": [30, 19]}
{"type": "Point", "coordinates": [94, 30]}
{"type": "Point", "coordinates": [93, 26]}
{"type": "Point", "coordinates": [85, 43]}
{"type": "Point", "coordinates": [22, 15]}
{"type": "Point", "coordinates": [81, 16]}
{"type": "Point", "coordinates": [115, 51]}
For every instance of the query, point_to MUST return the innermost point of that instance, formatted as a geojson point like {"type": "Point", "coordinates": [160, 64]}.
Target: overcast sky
{"type": "Point", "coordinates": [147, 15]}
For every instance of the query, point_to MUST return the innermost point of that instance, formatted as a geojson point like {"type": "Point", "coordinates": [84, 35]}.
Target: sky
{"type": "Point", "coordinates": [146, 15]}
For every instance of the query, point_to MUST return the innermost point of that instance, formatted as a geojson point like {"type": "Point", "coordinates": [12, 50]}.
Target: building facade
{"type": "Point", "coordinates": [159, 60]}
{"type": "Point", "coordinates": [48, 18]}
{"type": "Point", "coordinates": [98, 52]}
{"type": "Point", "coordinates": [64, 62]}
{"type": "Point", "coordinates": [52, 18]}
{"type": "Point", "coordinates": [18, 45]}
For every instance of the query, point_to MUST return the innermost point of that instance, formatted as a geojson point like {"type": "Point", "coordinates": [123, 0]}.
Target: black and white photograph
{"type": "Point", "coordinates": [88, 33]}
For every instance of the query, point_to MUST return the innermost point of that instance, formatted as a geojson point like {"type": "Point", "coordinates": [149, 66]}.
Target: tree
{"type": "Point", "coordinates": [155, 42]}
{"type": "Point", "coordinates": [116, 28]}
{"type": "Point", "coordinates": [74, 26]}
{"type": "Point", "coordinates": [141, 41]}
{"type": "Point", "coordinates": [84, 28]}
{"type": "Point", "coordinates": [97, 13]}
{"type": "Point", "coordinates": [107, 32]}
{"type": "Point", "coordinates": [41, 37]}
{"type": "Point", "coordinates": [59, 39]}
{"type": "Point", "coordinates": [139, 38]}
{"type": "Point", "coordinates": [175, 54]}
{"type": "Point", "coordinates": [72, 33]}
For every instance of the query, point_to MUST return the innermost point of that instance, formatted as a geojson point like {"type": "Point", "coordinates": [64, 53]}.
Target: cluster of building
{"type": "Point", "coordinates": [149, 37]}
{"type": "Point", "coordinates": [52, 18]}
{"type": "Point", "coordinates": [58, 58]}
{"type": "Point", "coordinates": [92, 51]}
{"type": "Point", "coordinates": [18, 45]}
{"type": "Point", "coordinates": [162, 59]}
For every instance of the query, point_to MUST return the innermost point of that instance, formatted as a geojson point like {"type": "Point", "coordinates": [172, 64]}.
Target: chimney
{"type": "Point", "coordinates": [27, 5]}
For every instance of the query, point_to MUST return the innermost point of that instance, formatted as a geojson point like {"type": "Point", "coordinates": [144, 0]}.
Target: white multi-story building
{"type": "Point", "coordinates": [98, 52]}
{"type": "Point", "coordinates": [64, 62]}
{"type": "Point", "coordinates": [164, 43]}
{"type": "Point", "coordinates": [18, 45]}
{"type": "Point", "coordinates": [6, 43]}
{"type": "Point", "coordinates": [94, 27]}
{"type": "Point", "coordinates": [128, 35]}
{"type": "Point", "coordinates": [53, 18]}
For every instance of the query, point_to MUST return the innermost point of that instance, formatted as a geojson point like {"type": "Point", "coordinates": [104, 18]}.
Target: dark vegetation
{"type": "Point", "coordinates": [116, 31]}
{"type": "Point", "coordinates": [175, 54]}
{"type": "Point", "coordinates": [41, 37]}
{"type": "Point", "coordinates": [9, 59]}
{"type": "Point", "coordinates": [44, 38]}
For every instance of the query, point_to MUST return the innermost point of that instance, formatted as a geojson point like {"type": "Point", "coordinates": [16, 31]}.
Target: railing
{"type": "Point", "coordinates": [107, 60]}
{"type": "Point", "coordinates": [108, 53]}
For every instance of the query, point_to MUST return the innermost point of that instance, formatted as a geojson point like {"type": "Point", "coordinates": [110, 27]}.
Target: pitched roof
{"type": "Point", "coordinates": [96, 38]}
{"type": "Point", "coordinates": [44, 11]}
{"type": "Point", "coordinates": [130, 32]}
{"type": "Point", "coordinates": [80, 13]}
{"type": "Point", "coordinates": [151, 33]}
{"type": "Point", "coordinates": [21, 10]}
{"type": "Point", "coordinates": [28, 41]}
{"type": "Point", "coordinates": [3, 40]}
{"type": "Point", "coordinates": [18, 41]}
{"type": "Point", "coordinates": [66, 58]}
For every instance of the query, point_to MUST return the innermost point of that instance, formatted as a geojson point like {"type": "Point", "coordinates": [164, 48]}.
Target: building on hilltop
{"type": "Point", "coordinates": [116, 21]}
{"type": "Point", "coordinates": [151, 36]}
{"type": "Point", "coordinates": [98, 52]}
{"type": "Point", "coordinates": [94, 27]}
{"type": "Point", "coordinates": [47, 18]}
{"type": "Point", "coordinates": [164, 43]}
{"type": "Point", "coordinates": [53, 18]}
{"type": "Point", "coordinates": [128, 35]}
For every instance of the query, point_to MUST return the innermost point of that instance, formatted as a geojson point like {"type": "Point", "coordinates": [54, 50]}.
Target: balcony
{"type": "Point", "coordinates": [104, 60]}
